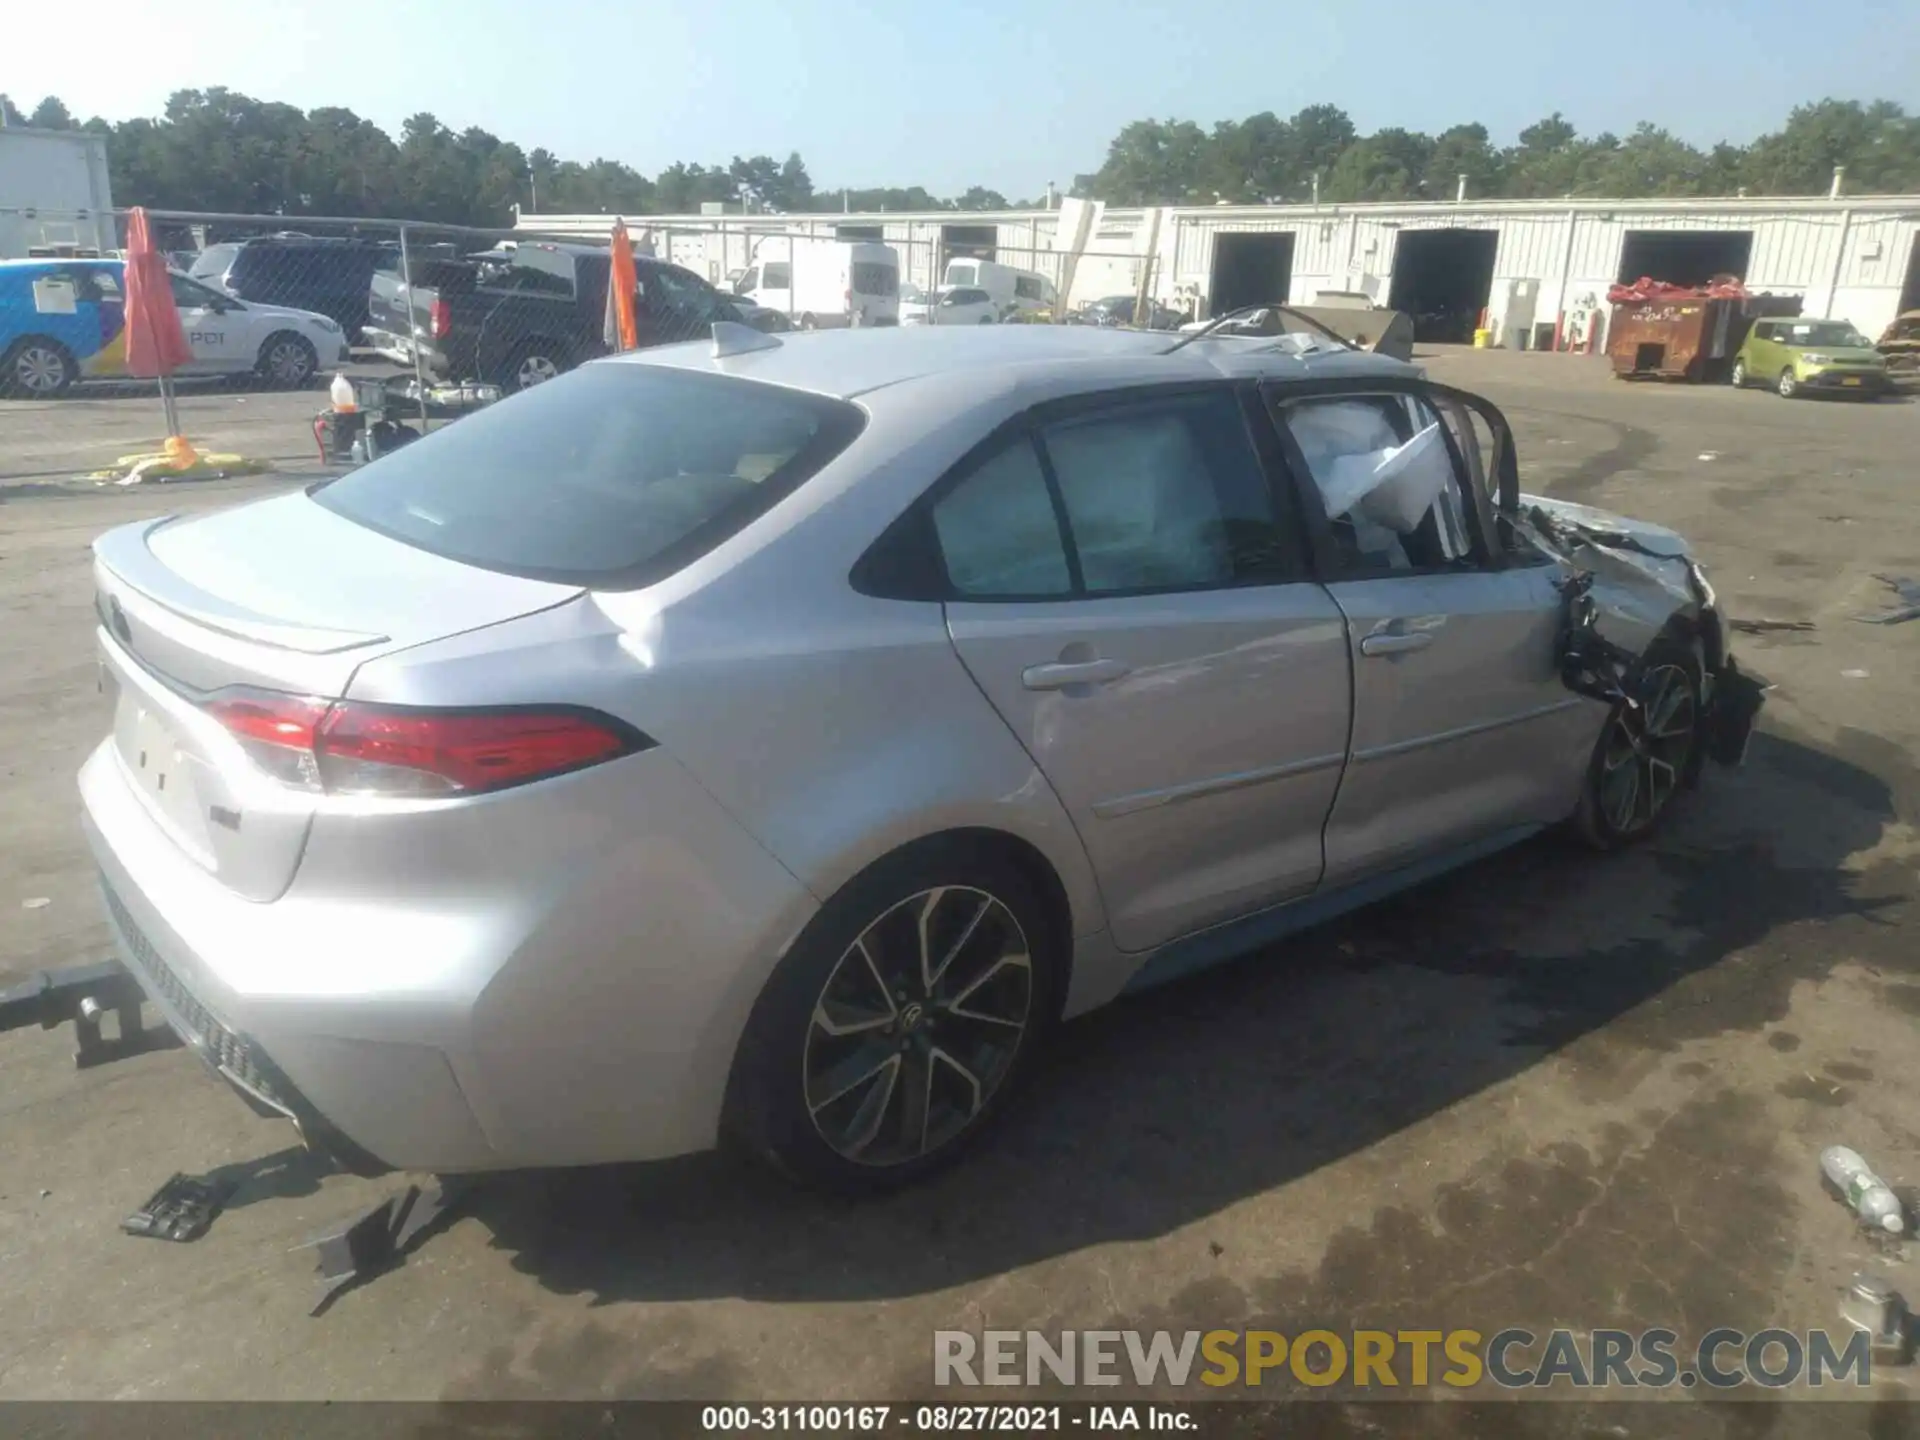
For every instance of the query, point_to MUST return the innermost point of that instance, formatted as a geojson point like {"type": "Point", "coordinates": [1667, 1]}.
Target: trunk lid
{"type": "Point", "coordinates": [277, 595]}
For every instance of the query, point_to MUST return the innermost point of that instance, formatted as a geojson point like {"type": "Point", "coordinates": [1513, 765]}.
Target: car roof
{"type": "Point", "coordinates": [847, 363]}
{"type": "Point", "coordinates": [53, 262]}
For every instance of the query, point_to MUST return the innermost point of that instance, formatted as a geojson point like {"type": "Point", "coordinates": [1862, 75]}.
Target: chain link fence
{"type": "Point", "coordinates": [280, 302]}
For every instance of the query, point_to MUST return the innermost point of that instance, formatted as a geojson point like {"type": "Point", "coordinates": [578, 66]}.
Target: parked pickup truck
{"type": "Point", "coordinates": [525, 311]}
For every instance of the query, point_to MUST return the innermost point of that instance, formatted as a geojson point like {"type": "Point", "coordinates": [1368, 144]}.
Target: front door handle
{"type": "Point", "coordinates": [1076, 672]}
{"type": "Point", "coordinates": [1396, 644]}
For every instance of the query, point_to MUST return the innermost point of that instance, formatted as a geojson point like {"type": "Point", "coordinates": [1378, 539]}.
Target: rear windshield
{"type": "Point", "coordinates": [873, 278]}
{"type": "Point", "coordinates": [611, 477]}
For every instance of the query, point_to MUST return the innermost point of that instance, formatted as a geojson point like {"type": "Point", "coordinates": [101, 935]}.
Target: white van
{"type": "Point", "coordinates": [821, 283]}
{"type": "Point", "coordinates": [1012, 290]}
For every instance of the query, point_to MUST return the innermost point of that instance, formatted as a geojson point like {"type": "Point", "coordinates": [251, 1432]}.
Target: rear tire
{"type": "Point", "coordinates": [532, 363]}
{"type": "Point", "coordinates": [1647, 754]}
{"type": "Point", "coordinates": [287, 361]}
{"type": "Point", "coordinates": [1739, 376]}
{"type": "Point", "coordinates": [857, 1073]}
{"type": "Point", "coordinates": [37, 368]}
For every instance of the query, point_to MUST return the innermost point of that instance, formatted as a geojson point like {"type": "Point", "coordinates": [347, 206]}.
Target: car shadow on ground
{"type": "Point", "coordinates": [1164, 1110]}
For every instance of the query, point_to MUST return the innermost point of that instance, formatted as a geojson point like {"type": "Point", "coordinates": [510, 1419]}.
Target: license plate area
{"type": "Point", "coordinates": [160, 769]}
{"type": "Point", "coordinates": [1850, 380]}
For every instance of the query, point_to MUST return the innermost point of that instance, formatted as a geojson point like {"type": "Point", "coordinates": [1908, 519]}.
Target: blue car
{"type": "Point", "coordinates": [65, 320]}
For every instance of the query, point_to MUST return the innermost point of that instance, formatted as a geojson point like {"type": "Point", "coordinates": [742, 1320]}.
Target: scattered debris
{"type": "Point", "coordinates": [1709, 454]}
{"type": "Point", "coordinates": [180, 1210]}
{"type": "Point", "coordinates": [1853, 674]}
{"type": "Point", "coordinates": [1870, 1304]}
{"type": "Point", "coordinates": [38, 902]}
{"type": "Point", "coordinates": [378, 1240]}
{"type": "Point", "coordinates": [1216, 1249]}
{"type": "Point", "coordinates": [1762, 627]}
{"type": "Point", "coordinates": [177, 463]}
{"type": "Point", "coordinates": [1909, 593]}
{"type": "Point", "coordinates": [1848, 1178]}
{"type": "Point", "coordinates": [46, 1194]}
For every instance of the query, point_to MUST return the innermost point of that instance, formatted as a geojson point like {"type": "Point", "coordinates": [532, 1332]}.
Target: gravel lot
{"type": "Point", "coordinates": [1553, 1089]}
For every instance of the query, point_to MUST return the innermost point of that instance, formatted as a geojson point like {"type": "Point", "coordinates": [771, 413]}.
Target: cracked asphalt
{"type": "Point", "coordinates": [1552, 1089]}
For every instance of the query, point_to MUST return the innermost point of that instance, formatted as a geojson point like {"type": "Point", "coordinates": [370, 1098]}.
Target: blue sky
{"type": "Point", "coordinates": [1004, 93]}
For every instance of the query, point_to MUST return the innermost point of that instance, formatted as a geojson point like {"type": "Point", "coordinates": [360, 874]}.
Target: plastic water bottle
{"type": "Point", "coordinates": [1853, 1180]}
{"type": "Point", "coordinates": [342, 395]}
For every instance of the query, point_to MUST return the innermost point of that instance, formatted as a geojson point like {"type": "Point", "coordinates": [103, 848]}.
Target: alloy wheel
{"type": "Point", "coordinates": [287, 364]}
{"type": "Point", "coordinates": [1739, 374]}
{"type": "Point", "coordinates": [1647, 749]}
{"type": "Point", "coordinates": [917, 1026]}
{"type": "Point", "coordinates": [534, 370]}
{"type": "Point", "coordinates": [40, 370]}
{"type": "Point", "coordinates": [1788, 385]}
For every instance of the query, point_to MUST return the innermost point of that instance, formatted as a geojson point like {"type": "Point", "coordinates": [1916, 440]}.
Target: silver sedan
{"type": "Point", "coordinates": [771, 740]}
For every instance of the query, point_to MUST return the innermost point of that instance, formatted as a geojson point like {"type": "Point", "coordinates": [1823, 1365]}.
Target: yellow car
{"type": "Point", "coordinates": [1798, 356]}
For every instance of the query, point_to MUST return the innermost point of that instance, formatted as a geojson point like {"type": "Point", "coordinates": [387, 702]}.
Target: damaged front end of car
{"type": "Point", "coordinates": [1632, 585]}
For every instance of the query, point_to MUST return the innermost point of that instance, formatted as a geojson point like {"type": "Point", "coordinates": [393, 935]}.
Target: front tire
{"type": "Point", "coordinates": [901, 1022]}
{"type": "Point", "coordinates": [1648, 753]}
{"type": "Point", "coordinates": [287, 361]}
{"type": "Point", "coordinates": [37, 368]}
{"type": "Point", "coordinates": [1788, 385]}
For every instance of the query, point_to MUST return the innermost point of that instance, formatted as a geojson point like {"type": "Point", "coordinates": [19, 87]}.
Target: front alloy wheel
{"type": "Point", "coordinates": [40, 370]}
{"type": "Point", "coordinates": [1646, 752]}
{"type": "Point", "coordinates": [918, 1026]}
{"type": "Point", "coordinates": [1789, 386]}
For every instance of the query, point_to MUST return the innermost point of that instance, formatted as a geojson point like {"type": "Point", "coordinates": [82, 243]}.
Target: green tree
{"type": "Point", "coordinates": [1878, 143]}
{"type": "Point", "coordinates": [1390, 164]}
{"type": "Point", "coordinates": [1155, 162]}
{"type": "Point", "coordinates": [978, 197]}
{"type": "Point", "coordinates": [10, 113]}
{"type": "Point", "coordinates": [50, 114]}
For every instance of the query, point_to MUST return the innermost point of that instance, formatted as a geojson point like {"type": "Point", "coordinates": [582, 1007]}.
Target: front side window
{"type": "Point", "coordinates": [1386, 480]}
{"type": "Point", "coordinates": [779, 275]}
{"type": "Point", "coordinates": [611, 476]}
{"type": "Point", "coordinates": [747, 283]}
{"type": "Point", "coordinates": [190, 294]}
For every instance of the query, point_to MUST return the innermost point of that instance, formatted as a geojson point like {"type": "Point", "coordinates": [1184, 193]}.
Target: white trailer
{"type": "Point", "coordinates": [820, 283]}
{"type": "Point", "coordinates": [54, 196]}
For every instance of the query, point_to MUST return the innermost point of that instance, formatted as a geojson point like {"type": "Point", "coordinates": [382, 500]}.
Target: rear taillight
{"type": "Point", "coordinates": [345, 748]}
{"type": "Point", "coordinates": [440, 319]}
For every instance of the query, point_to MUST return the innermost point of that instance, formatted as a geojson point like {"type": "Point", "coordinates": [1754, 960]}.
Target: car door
{"type": "Point", "coordinates": [1762, 362]}
{"type": "Point", "coordinates": [1126, 592]}
{"type": "Point", "coordinates": [1462, 730]}
{"type": "Point", "coordinates": [218, 328]}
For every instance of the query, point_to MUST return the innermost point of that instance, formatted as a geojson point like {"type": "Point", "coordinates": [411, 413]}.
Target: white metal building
{"type": "Point", "coordinates": [53, 191]}
{"type": "Point", "coordinates": [1525, 262]}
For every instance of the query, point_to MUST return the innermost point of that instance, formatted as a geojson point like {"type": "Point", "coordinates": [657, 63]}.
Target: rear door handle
{"type": "Point", "coordinates": [1078, 672]}
{"type": "Point", "coordinates": [1396, 644]}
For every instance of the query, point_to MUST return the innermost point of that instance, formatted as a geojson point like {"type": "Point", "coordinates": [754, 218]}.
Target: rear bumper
{"type": "Point", "coordinates": [400, 350]}
{"type": "Point", "coordinates": [482, 1018]}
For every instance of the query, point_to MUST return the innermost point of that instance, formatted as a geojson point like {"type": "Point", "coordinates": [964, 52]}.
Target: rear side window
{"type": "Point", "coordinates": [872, 278]}
{"type": "Point", "coordinates": [998, 531]}
{"type": "Point", "coordinates": [611, 477]}
{"type": "Point", "coordinates": [213, 261]}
